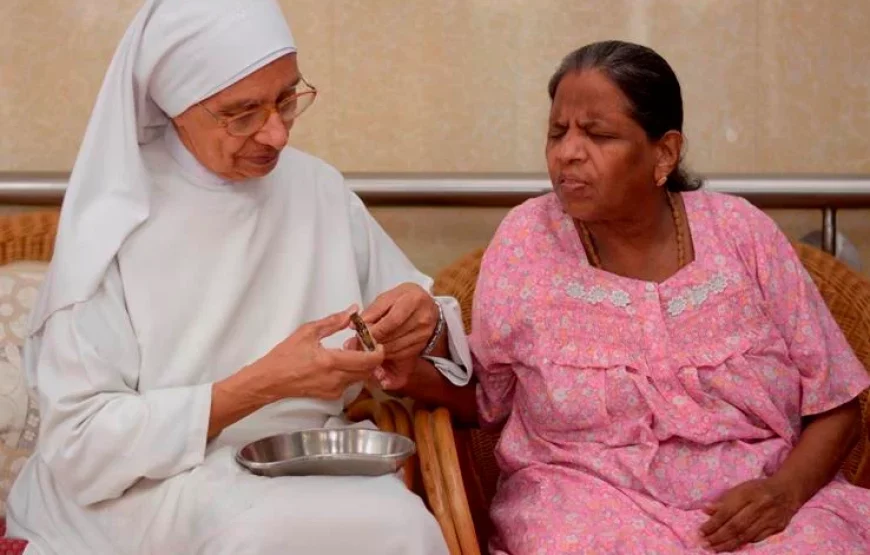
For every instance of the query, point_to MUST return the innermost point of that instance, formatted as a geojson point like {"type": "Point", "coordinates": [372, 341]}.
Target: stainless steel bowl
{"type": "Point", "coordinates": [327, 452]}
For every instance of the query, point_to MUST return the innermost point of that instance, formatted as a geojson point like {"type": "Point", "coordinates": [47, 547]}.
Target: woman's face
{"type": "Point", "coordinates": [600, 161]}
{"type": "Point", "coordinates": [240, 158]}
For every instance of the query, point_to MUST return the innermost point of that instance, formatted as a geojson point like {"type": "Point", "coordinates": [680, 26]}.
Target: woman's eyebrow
{"type": "Point", "coordinates": [248, 103]}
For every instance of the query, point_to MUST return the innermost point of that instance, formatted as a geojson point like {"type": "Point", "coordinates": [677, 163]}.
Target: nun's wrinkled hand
{"type": "Point", "coordinates": [300, 366]}
{"type": "Point", "coordinates": [391, 375]}
{"type": "Point", "coordinates": [403, 320]}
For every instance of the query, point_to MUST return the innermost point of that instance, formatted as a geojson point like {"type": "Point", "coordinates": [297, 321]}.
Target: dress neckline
{"type": "Point", "coordinates": [695, 240]}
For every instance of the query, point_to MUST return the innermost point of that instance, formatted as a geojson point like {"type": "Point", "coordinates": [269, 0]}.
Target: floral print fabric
{"type": "Point", "coordinates": [628, 405]}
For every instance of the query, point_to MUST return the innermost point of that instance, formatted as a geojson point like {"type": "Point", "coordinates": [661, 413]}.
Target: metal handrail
{"type": "Point", "coordinates": [825, 193]}
{"type": "Point", "coordinates": [496, 190]}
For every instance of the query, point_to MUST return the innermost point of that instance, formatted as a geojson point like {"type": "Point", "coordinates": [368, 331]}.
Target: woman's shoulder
{"type": "Point", "coordinates": [525, 234]}
{"type": "Point", "coordinates": [531, 217]}
{"type": "Point", "coordinates": [730, 214]}
{"type": "Point", "coordinates": [732, 226]}
{"type": "Point", "coordinates": [714, 201]}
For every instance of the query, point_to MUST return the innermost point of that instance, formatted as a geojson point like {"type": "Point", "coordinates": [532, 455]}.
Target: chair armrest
{"type": "Point", "coordinates": [389, 416]}
{"type": "Point", "coordinates": [430, 468]}
{"type": "Point", "coordinates": [451, 472]}
{"type": "Point", "coordinates": [374, 410]}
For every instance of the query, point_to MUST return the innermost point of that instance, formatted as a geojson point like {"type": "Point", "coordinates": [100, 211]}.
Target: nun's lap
{"type": "Point", "coordinates": [222, 509]}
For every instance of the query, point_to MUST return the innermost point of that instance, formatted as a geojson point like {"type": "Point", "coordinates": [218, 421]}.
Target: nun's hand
{"type": "Point", "coordinates": [403, 320]}
{"type": "Point", "coordinates": [300, 366]}
{"type": "Point", "coordinates": [391, 375]}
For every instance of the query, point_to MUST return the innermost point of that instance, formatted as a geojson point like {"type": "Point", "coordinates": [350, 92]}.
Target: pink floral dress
{"type": "Point", "coordinates": [629, 405]}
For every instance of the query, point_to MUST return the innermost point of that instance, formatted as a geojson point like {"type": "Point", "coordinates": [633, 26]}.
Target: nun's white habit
{"type": "Point", "coordinates": [167, 279]}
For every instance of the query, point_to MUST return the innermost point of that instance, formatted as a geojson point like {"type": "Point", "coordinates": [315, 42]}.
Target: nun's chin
{"type": "Point", "coordinates": [257, 166]}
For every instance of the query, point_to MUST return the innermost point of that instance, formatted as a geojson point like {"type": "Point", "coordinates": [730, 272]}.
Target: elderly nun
{"type": "Point", "coordinates": [199, 298]}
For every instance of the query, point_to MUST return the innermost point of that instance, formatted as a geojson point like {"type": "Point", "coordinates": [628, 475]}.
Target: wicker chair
{"type": "Point", "coordinates": [28, 236]}
{"type": "Point", "coordinates": [467, 473]}
{"type": "Point", "coordinates": [456, 472]}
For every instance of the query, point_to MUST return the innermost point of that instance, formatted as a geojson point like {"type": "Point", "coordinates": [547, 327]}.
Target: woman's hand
{"type": "Point", "coordinates": [300, 366]}
{"type": "Point", "coordinates": [749, 513]}
{"type": "Point", "coordinates": [391, 375]}
{"type": "Point", "coordinates": [394, 375]}
{"type": "Point", "coordinates": [402, 320]}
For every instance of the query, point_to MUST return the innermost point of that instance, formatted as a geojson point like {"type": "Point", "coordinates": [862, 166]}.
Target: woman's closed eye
{"type": "Point", "coordinates": [598, 133]}
{"type": "Point", "coordinates": [556, 132]}
{"type": "Point", "coordinates": [600, 137]}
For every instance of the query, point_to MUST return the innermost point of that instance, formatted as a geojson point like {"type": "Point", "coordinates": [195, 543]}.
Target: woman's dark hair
{"type": "Point", "coordinates": [650, 85]}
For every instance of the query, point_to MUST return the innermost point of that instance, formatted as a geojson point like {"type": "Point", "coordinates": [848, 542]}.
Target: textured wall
{"type": "Point", "coordinates": [771, 86]}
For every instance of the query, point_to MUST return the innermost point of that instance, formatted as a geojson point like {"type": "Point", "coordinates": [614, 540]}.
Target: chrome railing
{"type": "Point", "coordinates": [828, 194]}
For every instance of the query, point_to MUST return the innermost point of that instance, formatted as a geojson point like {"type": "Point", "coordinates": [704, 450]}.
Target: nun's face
{"type": "Point", "coordinates": [204, 130]}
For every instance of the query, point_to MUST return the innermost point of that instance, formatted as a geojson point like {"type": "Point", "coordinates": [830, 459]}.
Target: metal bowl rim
{"type": "Point", "coordinates": [253, 465]}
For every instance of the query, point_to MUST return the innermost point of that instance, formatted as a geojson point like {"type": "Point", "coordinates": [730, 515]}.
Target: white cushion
{"type": "Point", "coordinates": [19, 413]}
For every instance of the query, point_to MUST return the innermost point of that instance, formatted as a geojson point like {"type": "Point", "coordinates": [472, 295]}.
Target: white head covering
{"type": "Point", "coordinates": [174, 54]}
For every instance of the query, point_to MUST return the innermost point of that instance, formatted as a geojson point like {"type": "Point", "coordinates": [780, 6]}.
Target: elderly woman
{"type": "Point", "coordinates": [199, 299]}
{"type": "Point", "coordinates": [668, 378]}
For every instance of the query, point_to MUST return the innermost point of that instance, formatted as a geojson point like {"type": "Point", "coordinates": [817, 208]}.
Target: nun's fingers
{"type": "Point", "coordinates": [408, 346]}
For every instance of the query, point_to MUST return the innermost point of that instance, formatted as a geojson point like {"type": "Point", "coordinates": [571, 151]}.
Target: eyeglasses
{"type": "Point", "coordinates": [251, 121]}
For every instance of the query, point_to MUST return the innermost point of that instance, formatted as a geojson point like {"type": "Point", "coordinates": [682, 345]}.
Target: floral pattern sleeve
{"type": "Point", "coordinates": [830, 373]}
{"type": "Point", "coordinates": [492, 357]}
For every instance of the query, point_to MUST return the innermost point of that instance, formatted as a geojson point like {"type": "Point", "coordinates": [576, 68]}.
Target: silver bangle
{"type": "Point", "coordinates": [436, 335]}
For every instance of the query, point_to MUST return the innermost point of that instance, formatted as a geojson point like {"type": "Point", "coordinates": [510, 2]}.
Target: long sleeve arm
{"type": "Point", "coordinates": [99, 433]}
{"type": "Point", "coordinates": [383, 266]}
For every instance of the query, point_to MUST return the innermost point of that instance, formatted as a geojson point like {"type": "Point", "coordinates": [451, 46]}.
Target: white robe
{"type": "Point", "coordinates": [216, 277]}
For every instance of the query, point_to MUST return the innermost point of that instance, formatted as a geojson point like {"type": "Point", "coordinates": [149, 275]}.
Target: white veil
{"type": "Point", "coordinates": [174, 54]}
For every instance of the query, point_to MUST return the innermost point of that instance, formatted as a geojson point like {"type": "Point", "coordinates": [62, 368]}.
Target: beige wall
{"type": "Point", "coordinates": [771, 86]}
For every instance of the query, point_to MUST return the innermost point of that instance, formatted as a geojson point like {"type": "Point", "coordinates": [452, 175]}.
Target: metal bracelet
{"type": "Point", "coordinates": [436, 335]}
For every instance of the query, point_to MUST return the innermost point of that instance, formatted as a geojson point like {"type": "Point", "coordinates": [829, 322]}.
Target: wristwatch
{"type": "Point", "coordinates": [436, 334]}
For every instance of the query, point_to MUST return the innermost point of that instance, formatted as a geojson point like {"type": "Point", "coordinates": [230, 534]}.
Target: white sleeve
{"type": "Point", "coordinates": [99, 434]}
{"type": "Point", "coordinates": [383, 265]}
{"type": "Point", "coordinates": [457, 342]}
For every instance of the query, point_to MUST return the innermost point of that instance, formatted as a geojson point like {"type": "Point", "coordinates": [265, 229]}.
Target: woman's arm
{"type": "Point", "coordinates": [99, 434]}
{"type": "Point", "coordinates": [383, 270]}
{"type": "Point", "coordinates": [757, 509]}
{"type": "Point", "coordinates": [820, 452]}
{"type": "Point", "coordinates": [298, 366]}
{"type": "Point", "coordinates": [430, 387]}
{"type": "Point", "coordinates": [830, 377]}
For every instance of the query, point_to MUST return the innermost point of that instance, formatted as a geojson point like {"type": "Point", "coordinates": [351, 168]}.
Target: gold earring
{"type": "Point", "coordinates": [662, 181]}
